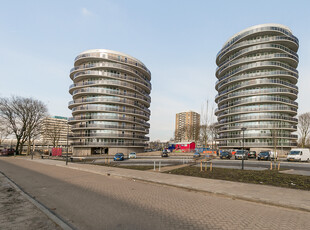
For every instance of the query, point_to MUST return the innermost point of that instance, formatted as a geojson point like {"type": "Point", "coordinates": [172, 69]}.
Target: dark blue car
{"type": "Point", "coordinates": [118, 157]}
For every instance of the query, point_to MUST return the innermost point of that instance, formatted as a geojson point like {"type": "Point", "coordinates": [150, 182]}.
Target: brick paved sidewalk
{"type": "Point", "coordinates": [290, 198]}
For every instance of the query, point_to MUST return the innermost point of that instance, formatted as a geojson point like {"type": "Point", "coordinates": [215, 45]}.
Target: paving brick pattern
{"type": "Point", "coordinates": [92, 201]}
{"type": "Point", "coordinates": [17, 212]}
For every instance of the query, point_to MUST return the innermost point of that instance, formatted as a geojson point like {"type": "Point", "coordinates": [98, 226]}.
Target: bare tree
{"type": "Point", "coordinates": [23, 117]}
{"type": "Point", "coordinates": [304, 128]}
{"type": "Point", "coordinates": [213, 134]}
{"type": "Point", "coordinates": [207, 120]}
{"type": "Point", "coordinates": [204, 123]}
{"type": "Point", "coordinates": [4, 131]}
{"type": "Point", "coordinates": [274, 137]}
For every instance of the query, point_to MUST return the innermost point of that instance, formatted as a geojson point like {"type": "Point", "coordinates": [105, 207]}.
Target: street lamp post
{"type": "Point", "coordinates": [243, 153]}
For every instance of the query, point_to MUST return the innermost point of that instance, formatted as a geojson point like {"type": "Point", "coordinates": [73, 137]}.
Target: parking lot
{"type": "Point", "coordinates": [175, 159]}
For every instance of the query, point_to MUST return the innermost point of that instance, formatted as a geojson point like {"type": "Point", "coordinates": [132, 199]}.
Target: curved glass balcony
{"type": "Point", "coordinates": [244, 60]}
{"type": "Point", "coordinates": [102, 65]}
{"type": "Point", "coordinates": [256, 82]}
{"type": "Point", "coordinates": [236, 48]}
{"type": "Point", "coordinates": [259, 135]}
{"type": "Point", "coordinates": [106, 126]}
{"type": "Point", "coordinates": [258, 127]}
{"type": "Point", "coordinates": [145, 98]}
{"type": "Point", "coordinates": [124, 109]}
{"type": "Point", "coordinates": [99, 73]}
{"type": "Point", "coordinates": [109, 144]}
{"type": "Point", "coordinates": [245, 77]}
{"type": "Point", "coordinates": [253, 144]}
{"type": "Point", "coordinates": [106, 56]}
{"type": "Point", "coordinates": [256, 99]}
{"type": "Point", "coordinates": [248, 117]}
{"type": "Point", "coordinates": [105, 83]}
{"type": "Point", "coordinates": [260, 64]}
{"type": "Point", "coordinates": [258, 30]}
{"type": "Point", "coordinates": [287, 92]}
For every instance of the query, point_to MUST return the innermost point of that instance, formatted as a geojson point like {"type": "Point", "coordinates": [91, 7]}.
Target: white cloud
{"type": "Point", "coordinates": [86, 12]}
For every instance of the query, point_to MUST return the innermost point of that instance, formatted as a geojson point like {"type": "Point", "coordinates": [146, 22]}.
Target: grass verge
{"type": "Point", "coordinates": [266, 177]}
{"type": "Point", "coordinates": [136, 167]}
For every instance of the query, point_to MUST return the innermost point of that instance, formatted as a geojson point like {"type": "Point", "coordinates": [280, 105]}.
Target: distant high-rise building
{"type": "Point", "coordinates": [257, 89]}
{"type": "Point", "coordinates": [54, 131]}
{"type": "Point", "coordinates": [187, 126]}
{"type": "Point", "coordinates": [110, 106]}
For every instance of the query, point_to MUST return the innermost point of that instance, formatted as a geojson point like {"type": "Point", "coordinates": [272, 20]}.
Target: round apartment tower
{"type": "Point", "coordinates": [257, 89]}
{"type": "Point", "coordinates": [111, 97]}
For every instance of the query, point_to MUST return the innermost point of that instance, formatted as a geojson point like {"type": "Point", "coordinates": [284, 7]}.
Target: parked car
{"type": "Point", "coordinates": [301, 154]}
{"type": "Point", "coordinates": [196, 155]}
{"type": "Point", "coordinates": [164, 153]}
{"type": "Point", "coordinates": [225, 155]}
{"type": "Point", "coordinates": [264, 155]}
{"type": "Point", "coordinates": [118, 157]}
{"type": "Point", "coordinates": [132, 155]}
{"type": "Point", "coordinates": [252, 154]}
{"type": "Point", "coordinates": [241, 154]}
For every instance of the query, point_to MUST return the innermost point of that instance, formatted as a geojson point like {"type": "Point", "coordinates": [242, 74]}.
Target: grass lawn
{"type": "Point", "coordinates": [266, 177]}
{"type": "Point", "coordinates": [136, 167]}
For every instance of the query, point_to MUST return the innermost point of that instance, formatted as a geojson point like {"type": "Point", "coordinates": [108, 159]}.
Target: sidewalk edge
{"type": "Point", "coordinates": [50, 214]}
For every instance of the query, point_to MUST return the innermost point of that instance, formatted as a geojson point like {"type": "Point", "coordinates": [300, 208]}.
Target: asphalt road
{"type": "Point", "coordinates": [91, 201]}
{"type": "Point", "coordinates": [174, 160]}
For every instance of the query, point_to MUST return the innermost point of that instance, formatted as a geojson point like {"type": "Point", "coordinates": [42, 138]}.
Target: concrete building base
{"type": "Point", "coordinates": [81, 151]}
{"type": "Point", "coordinates": [88, 151]}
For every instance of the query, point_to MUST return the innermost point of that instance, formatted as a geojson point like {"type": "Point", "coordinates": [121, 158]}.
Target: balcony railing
{"type": "Point", "coordinates": [253, 144]}
{"type": "Point", "coordinates": [270, 127]}
{"type": "Point", "coordinates": [117, 118]}
{"type": "Point", "coordinates": [110, 144]}
{"type": "Point", "coordinates": [100, 126]}
{"type": "Point", "coordinates": [243, 60]}
{"type": "Point", "coordinates": [98, 55]}
{"type": "Point", "coordinates": [261, 29]}
{"type": "Point", "coordinates": [255, 43]}
{"type": "Point", "coordinates": [249, 117]}
{"type": "Point", "coordinates": [113, 75]}
{"type": "Point", "coordinates": [258, 99]}
{"type": "Point", "coordinates": [111, 65]}
{"type": "Point", "coordinates": [255, 92]}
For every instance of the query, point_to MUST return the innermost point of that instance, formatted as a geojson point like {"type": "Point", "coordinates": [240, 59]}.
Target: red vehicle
{"type": "Point", "coordinates": [7, 152]}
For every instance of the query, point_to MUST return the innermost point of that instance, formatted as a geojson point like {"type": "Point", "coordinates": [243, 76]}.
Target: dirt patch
{"type": "Point", "coordinates": [18, 213]}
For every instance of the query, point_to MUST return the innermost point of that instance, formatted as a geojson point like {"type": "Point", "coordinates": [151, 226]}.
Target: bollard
{"type": "Point", "coordinates": [211, 167]}
{"type": "Point", "coordinates": [270, 165]}
{"type": "Point", "coordinates": [279, 166]}
{"type": "Point", "coordinates": [206, 166]}
{"type": "Point", "coordinates": [159, 166]}
{"type": "Point", "coordinates": [154, 166]}
{"type": "Point", "coordinates": [200, 166]}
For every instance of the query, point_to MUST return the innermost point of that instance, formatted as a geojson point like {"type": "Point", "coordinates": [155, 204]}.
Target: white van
{"type": "Point", "coordinates": [272, 155]}
{"type": "Point", "coordinates": [299, 155]}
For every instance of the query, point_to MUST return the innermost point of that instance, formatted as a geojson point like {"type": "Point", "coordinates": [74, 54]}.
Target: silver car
{"type": "Point", "coordinates": [241, 154]}
{"type": "Point", "coordinates": [132, 155]}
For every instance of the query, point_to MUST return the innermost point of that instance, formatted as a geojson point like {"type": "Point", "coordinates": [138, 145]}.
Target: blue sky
{"type": "Point", "coordinates": [177, 40]}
